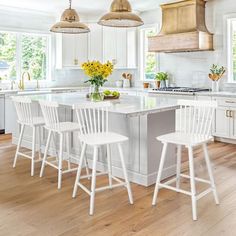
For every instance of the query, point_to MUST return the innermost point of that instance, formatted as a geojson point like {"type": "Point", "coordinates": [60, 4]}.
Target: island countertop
{"type": "Point", "coordinates": [126, 104]}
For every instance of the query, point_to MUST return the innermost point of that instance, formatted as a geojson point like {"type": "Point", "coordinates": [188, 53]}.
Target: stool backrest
{"type": "Point", "coordinates": [196, 116]}
{"type": "Point", "coordinates": [50, 114]}
{"type": "Point", "coordinates": [23, 109]}
{"type": "Point", "coordinates": [92, 117]}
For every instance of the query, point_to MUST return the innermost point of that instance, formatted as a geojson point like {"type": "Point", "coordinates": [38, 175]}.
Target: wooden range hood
{"type": "Point", "coordinates": [183, 28]}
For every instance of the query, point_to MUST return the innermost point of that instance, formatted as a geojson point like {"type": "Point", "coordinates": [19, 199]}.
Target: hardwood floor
{"type": "Point", "coordinates": [34, 206]}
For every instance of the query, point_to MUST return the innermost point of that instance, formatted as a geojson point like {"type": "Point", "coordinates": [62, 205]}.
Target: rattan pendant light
{"type": "Point", "coordinates": [121, 15]}
{"type": "Point", "coordinates": [70, 23]}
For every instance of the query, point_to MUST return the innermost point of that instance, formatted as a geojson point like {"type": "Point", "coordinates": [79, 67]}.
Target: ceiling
{"type": "Point", "coordinates": [83, 6]}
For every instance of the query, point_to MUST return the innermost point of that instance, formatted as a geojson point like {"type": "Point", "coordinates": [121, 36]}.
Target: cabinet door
{"type": "Point", "coordinates": [131, 48]}
{"type": "Point", "coordinates": [121, 48]}
{"type": "Point", "coordinates": [221, 124]}
{"type": "Point", "coordinates": [74, 49]}
{"type": "Point", "coordinates": [68, 50]}
{"type": "Point", "coordinates": [81, 48]}
{"type": "Point", "coordinates": [233, 123]}
{"type": "Point", "coordinates": [10, 116]}
{"type": "Point", "coordinates": [109, 44]}
{"type": "Point", "coordinates": [95, 44]}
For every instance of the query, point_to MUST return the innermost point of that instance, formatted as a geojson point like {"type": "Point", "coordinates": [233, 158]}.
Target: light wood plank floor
{"type": "Point", "coordinates": [34, 206]}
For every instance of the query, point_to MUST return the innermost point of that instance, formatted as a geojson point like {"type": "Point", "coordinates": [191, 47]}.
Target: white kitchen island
{"type": "Point", "coordinates": [141, 118]}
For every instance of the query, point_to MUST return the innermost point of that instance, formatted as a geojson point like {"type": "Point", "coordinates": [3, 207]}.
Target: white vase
{"type": "Point", "coordinates": [126, 83]}
{"type": "Point", "coordinates": [215, 86]}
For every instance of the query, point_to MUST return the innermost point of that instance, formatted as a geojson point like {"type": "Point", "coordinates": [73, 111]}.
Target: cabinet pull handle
{"type": "Point", "coordinates": [231, 114]}
{"type": "Point", "coordinates": [227, 113]}
{"type": "Point", "coordinates": [230, 101]}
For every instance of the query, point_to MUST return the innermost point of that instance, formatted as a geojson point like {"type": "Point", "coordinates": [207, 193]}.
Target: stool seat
{"type": "Point", "coordinates": [64, 127]}
{"type": "Point", "coordinates": [185, 139]}
{"type": "Point", "coordinates": [102, 138]}
{"type": "Point", "coordinates": [36, 121]}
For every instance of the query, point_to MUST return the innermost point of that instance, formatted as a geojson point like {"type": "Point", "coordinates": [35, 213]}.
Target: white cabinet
{"type": "Point", "coordinates": [10, 116]}
{"type": "Point", "coordinates": [119, 45]}
{"type": "Point", "coordinates": [109, 44]}
{"type": "Point", "coordinates": [71, 50]}
{"type": "Point", "coordinates": [221, 124]}
{"type": "Point", "coordinates": [95, 42]}
{"type": "Point", "coordinates": [224, 125]}
{"type": "Point", "coordinates": [121, 48]}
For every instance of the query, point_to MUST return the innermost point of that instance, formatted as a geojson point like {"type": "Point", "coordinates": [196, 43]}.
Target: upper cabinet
{"type": "Point", "coordinates": [102, 43]}
{"type": "Point", "coordinates": [95, 42]}
{"type": "Point", "coordinates": [119, 46]}
{"type": "Point", "coordinates": [72, 50]}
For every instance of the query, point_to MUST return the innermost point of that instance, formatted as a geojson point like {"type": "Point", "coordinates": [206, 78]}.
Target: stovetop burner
{"type": "Point", "coordinates": [182, 89]}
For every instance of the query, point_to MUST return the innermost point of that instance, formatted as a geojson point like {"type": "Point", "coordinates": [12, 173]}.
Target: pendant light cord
{"type": "Point", "coordinates": [70, 4]}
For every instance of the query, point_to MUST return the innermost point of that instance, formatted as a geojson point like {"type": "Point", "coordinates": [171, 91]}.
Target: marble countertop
{"type": "Point", "coordinates": [126, 105]}
{"type": "Point", "coordinates": [210, 94]}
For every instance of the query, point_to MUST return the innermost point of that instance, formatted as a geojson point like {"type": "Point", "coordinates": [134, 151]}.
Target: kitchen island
{"type": "Point", "coordinates": [141, 118]}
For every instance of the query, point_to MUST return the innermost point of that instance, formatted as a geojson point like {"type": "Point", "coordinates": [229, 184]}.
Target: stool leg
{"type": "Point", "coordinates": [55, 144]}
{"type": "Point", "coordinates": [93, 184]}
{"type": "Point", "coordinates": [60, 161]}
{"type": "Point", "coordinates": [208, 163]}
{"type": "Point", "coordinates": [33, 151]}
{"type": "Point", "coordinates": [125, 174]}
{"type": "Point", "coordinates": [68, 150]}
{"type": "Point", "coordinates": [22, 128]}
{"type": "Point", "coordinates": [178, 166]}
{"type": "Point", "coordinates": [109, 165]}
{"type": "Point", "coordinates": [39, 137]}
{"type": "Point", "coordinates": [79, 170]}
{"type": "Point", "coordinates": [162, 161]}
{"type": "Point", "coordinates": [45, 153]}
{"type": "Point", "coordinates": [192, 183]}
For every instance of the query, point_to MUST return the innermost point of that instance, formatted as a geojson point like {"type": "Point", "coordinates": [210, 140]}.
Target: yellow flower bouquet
{"type": "Point", "coordinates": [98, 74]}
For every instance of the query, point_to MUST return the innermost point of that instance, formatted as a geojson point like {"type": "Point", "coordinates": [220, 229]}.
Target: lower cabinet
{"type": "Point", "coordinates": [224, 125]}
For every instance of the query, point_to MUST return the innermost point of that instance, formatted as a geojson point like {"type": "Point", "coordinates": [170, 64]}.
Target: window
{"type": "Point", "coordinates": [148, 60]}
{"type": "Point", "coordinates": [21, 52]}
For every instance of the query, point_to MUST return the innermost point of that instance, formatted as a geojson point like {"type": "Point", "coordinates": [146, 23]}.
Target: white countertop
{"type": "Point", "coordinates": [127, 105]}
{"type": "Point", "coordinates": [211, 94]}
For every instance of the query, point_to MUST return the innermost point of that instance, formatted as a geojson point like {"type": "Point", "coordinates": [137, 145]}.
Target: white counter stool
{"type": "Point", "coordinates": [25, 117]}
{"type": "Point", "coordinates": [94, 116]}
{"type": "Point", "coordinates": [195, 130]}
{"type": "Point", "coordinates": [63, 129]}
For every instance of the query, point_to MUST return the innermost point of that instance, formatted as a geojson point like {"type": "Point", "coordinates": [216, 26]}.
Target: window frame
{"type": "Point", "coordinates": [19, 34]}
{"type": "Point", "coordinates": [142, 61]}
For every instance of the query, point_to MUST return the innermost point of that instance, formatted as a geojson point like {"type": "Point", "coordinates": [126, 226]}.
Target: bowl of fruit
{"type": "Point", "coordinates": [111, 94]}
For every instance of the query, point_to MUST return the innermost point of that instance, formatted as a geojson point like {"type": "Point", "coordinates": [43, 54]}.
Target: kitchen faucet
{"type": "Point", "coordinates": [26, 75]}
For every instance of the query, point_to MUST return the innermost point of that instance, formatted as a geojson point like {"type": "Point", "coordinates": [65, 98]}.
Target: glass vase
{"type": "Point", "coordinates": [96, 95]}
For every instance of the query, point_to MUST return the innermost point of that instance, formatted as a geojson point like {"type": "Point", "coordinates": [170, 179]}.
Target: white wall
{"type": "Point", "coordinates": [191, 69]}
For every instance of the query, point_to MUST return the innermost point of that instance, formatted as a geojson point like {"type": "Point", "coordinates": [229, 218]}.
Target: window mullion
{"type": "Point", "coordinates": [18, 55]}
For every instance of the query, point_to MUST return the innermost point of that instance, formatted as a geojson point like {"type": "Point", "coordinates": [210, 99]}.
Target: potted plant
{"type": "Point", "coordinates": [216, 74]}
{"type": "Point", "coordinates": [98, 74]}
{"type": "Point", "coordinates": [161, 79]}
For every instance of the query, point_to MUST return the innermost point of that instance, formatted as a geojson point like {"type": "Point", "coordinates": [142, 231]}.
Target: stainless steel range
{"type": "Point", "coordinates": [184, 90]}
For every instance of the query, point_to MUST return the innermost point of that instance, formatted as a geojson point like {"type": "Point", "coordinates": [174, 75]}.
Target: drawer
{"type": "Point", "coordinates": [226, 102]}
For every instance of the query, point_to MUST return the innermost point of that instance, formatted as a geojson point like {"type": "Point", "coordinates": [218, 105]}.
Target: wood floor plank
{"type": "Point", "coordinates": [34, 206]}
